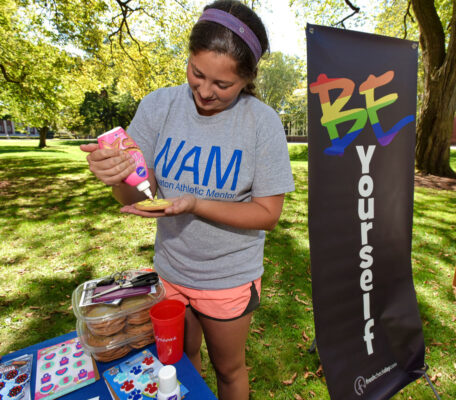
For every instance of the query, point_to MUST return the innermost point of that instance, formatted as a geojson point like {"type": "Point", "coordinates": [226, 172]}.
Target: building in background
{"type": "Point", "coordinates": [8, 128]}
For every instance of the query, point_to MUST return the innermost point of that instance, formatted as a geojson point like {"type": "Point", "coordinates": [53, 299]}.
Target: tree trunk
{"type": "Point", "coordinates": [435, 128]}
{"type": "Point", "coordinates": [435, 122]}
{"type": "Point", "coordinates": [43, 133]}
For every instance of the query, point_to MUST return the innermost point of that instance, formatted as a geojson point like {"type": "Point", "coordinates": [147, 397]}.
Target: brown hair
{"type": "Point", "coordinates": [211, 36]}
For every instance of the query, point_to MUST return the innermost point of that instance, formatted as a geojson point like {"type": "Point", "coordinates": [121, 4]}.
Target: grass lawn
{"type": "Point", "coordinates": [60, 227]}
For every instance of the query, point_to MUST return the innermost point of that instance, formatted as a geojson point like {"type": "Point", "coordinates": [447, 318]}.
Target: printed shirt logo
{"type": "Point", "coordinates": [202, 171]}
{"type": "Point", "coordinates": [333, 115]}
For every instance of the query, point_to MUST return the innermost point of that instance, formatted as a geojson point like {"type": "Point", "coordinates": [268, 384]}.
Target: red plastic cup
{"type": "Point", "coordinates": [168, 320]}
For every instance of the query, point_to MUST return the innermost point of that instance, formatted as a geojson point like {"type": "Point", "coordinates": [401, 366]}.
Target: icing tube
{"type": "Point", "coordinates": [117, 138]}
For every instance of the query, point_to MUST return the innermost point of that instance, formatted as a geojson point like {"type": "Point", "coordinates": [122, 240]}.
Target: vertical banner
{"type": "Point", "coordinates": [362, 106]}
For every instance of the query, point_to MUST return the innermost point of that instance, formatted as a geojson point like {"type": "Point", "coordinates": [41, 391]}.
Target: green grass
{"type": "Point", "coordinates": [60, 227]}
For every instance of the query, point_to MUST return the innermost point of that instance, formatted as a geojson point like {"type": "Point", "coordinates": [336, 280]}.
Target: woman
{"type": "Point", "coordinates": [221, 156]}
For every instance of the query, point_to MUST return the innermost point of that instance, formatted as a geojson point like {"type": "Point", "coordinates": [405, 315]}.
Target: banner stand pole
{"type": "Point", "coordinates": [430, 384]}
{"type": "Point", "coordinates": [313, 346]}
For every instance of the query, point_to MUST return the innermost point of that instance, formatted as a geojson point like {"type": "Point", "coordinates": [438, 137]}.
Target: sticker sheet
{"type": "Point", "coordinates": [15, 378]}
{"type": "Point", "coordinates": [62, 368]}
{"type": "Point", "coordinates": [136, 378]}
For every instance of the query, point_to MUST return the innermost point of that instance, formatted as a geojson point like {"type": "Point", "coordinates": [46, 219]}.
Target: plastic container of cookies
{"type": "Point", "coordinates": [108, 348]}
{"type": "Point", "coordinates": [110, 331]}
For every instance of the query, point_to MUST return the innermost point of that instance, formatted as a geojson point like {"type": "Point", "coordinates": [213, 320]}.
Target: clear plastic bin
{"type": "Point", "coordinates": [110, 331]}
{"type": "Point", "coordinates": [108, 348]}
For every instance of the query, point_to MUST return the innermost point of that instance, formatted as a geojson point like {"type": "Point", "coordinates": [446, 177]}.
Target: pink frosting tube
{"type": "Point", "coordinates": [117, 138]}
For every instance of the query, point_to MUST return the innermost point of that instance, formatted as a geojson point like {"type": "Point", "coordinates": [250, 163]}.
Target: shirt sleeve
{"type": "Point", "coordinates": [272, 161]}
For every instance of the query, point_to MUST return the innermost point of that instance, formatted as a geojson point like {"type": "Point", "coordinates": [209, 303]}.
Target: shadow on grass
{"type": "Point", "coordinates": [52, 205]}
{"type": "Point", "coordinates": [35, 189]}
{"type": "Point", "coordinates": [27, 149]}
{"type": "Point", "coordinates": [76, 142]}
{"type": "Point", "coordinates": [51, 308]}
{"type": "Point", "coordinates": [286, 307]}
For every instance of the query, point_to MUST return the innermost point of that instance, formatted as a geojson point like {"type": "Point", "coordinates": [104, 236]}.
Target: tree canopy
{"type": "Point", "coordinates": [53, 52]}
{"type": "Point", "coordinates": [433, 23]}
{"type": "Point", "coordinates": [279, 75]}
{"type": "Point", "coordinates": [58, 56]}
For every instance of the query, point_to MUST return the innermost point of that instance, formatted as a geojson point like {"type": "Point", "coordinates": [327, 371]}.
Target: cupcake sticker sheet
{"type": "Point", "coordinates": [62, 368]}
{"type": "Point", "coordinates": [15, 378]}
{"type": "Point", "coordinates": [136, 378]}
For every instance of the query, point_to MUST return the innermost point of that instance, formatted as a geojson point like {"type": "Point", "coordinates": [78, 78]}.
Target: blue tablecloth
{"type": "Point", "coordinates": [186, 373]}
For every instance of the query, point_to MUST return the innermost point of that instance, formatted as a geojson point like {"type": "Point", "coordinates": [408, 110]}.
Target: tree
{"type": "Point", "coordinates": [40, 83]}
{"type": "Point", "coordinates": [435, 122]}
{"type": "Point", "coordinates": [52, 51]}
{"type": "Point", "coordinates": [106, 109]}
{"type": "Point", "coordinates": [278, 76]}
{"type": "Point", "coordinates": [437, 35]}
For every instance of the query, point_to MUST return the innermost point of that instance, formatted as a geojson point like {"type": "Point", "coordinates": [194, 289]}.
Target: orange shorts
{"type": "Point", "coordinates": [221, 304]}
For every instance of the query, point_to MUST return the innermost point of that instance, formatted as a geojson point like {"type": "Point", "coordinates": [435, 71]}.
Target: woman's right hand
{"type": "Point", "coordinates": [111, 166]}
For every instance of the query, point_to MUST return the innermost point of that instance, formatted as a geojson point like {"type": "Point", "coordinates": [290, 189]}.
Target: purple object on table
{"type": "Point", "coordinates": [120, 293]}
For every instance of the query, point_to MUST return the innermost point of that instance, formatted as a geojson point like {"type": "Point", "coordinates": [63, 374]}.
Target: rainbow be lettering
{"type": "Point", "coordinates": [333, 115]}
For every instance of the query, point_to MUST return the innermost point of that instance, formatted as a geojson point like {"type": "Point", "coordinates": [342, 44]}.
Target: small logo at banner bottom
{"type": "Point", "coordinates": [361, 382]}
{"type": "Point", "coordinates": [360, 385]}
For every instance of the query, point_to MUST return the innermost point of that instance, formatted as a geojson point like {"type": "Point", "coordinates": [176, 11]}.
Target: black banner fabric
{"type": "Point", "coordinates": [362, 106]}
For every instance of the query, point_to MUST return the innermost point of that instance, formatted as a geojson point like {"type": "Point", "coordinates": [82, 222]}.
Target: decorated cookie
{"type": "Point", "coordinates": [15, 391]}
{"type": "Point", "coordinates": [65, 381]}
{"type": "Point", "coordinates": [153, 205]}
{"type": "Point", "coordinates": [47, 388]}
{"type": "Point", "coordinates": [127, 386]}
{"type": "Point", "coordinates": [144, 379]}
{"type": "Point", "coordinates": [151, 389]}
{"type": "Point", "coordinates": [79, 363]}
{"type": "Point", "coordinates": [22, 378]}
{"type": "Point", "coordinates": [82, 374]}
{"type": "Point", "coordinates": [64, 361]}
{"type": "Point", "coordinates": [121, 377]}
{"type": "Point", "coordinates": [46, 378]}
{"type": "Point", "coordinates": [64, 350]}
{"type": "Point", "coordinates": [10, 375]}
{"type": "Point", "coordinates": [62, 371]}
{"type": "Point", "coordinates": [78, 354]}
{"type": "Point", "coordinates": [48, 365]}
{"type": "Point", "coordinates": [148, 361]}
{"type": "Point", "coordinates": [135, 395]}
{"type": "Point", "coordinates": [136, 370]}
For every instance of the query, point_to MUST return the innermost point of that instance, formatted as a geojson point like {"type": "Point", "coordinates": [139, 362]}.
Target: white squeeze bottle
{"type": "Point", "coordinates": [117, 138]}
{"type": "Point", "coordinates": [168, 388]}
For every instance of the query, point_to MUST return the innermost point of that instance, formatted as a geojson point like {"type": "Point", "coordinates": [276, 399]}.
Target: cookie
{"type": "Point", "coordinates": [105, 341]}
{"type": "Point", "coordinates": [108, 348]}
{"type": "Point", "coordinates": [141, 316]}
{"type": "Point", "coordinates": [140, 335]}
{"type": "Point", "coordinates": [142, 341]}
{"type": "Point", "coordinates": [139, 330]}
{"type": "Point", "coordinates": [152, 205]}
{"type": "Point", "coordinates": [105, 322]}
{"type": "Point", "coordinates": [112, 354]}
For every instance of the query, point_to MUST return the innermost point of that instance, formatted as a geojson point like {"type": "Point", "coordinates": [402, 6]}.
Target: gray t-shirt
{"type": "Point", "coordinates": [231, 156]}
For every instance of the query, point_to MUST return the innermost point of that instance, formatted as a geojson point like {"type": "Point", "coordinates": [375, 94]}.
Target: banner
{"type": "Point", "coordinates": [362, 106]}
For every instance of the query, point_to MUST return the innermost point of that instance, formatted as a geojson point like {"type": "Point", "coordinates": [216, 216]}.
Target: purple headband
{"type": "Point", "coordinates": [237, 26]}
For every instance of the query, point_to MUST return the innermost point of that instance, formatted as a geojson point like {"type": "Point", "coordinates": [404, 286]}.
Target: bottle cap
{"type": "Point", "coordinates": [167, 380]}
{"type": "Point", "coordinates": [144, 187]}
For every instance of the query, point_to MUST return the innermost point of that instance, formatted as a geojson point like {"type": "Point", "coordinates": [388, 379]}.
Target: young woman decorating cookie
{"type": "Point", "coordinates": [220, 155]}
